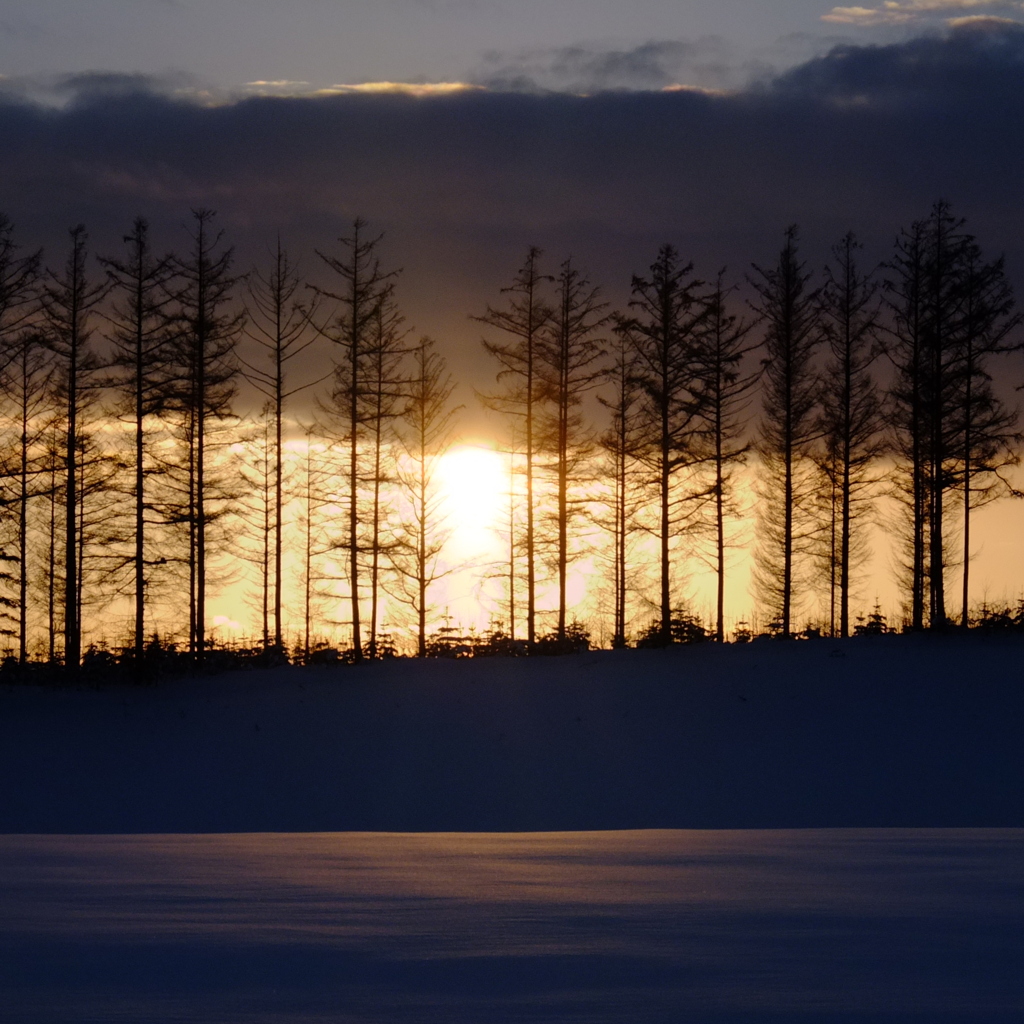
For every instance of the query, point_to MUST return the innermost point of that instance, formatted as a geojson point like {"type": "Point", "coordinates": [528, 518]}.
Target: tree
{"type": "Point", "coordinates": [789, 311]}
{"type": "Point", "coordinates": [384, 392]}
{"type": "Point", "coordinates": [279, 323]}
{"type": "Point", "coordinates": [424, 434]}
{"type": "Point", "coordinates": [991, 441]}
{"type": "Point", "coordinates": [570, 366]}
{"type": "Point", "coordinates": [664, 331]}
{"type": "Point", "coordinates": [850, 422]}
{"type": "Point", "coordinates": [363, 286]}
{"type": "Point", "coordinates": [726, 391]}
{"type": "Point", "coordinates": [141, 287]}
{"type": "Point", "coordinates": [256, 511]}
{"type": "Point", "coordinates": [524, 317]}
{"type": "Point", "coordinates": [25, 386]}
{"type": "Point", "coordinates": [68, 299]}
{"type": "Point", "coordinates": [905, 299]}
{"type": "Point", "coordinates": [951, 312]}
{"type": "Point", "coordinates": [619, 443]}
{"type": "Point", "coordinates": [208, 331]}
{"type": "Point", "coordinates": [313, 500]}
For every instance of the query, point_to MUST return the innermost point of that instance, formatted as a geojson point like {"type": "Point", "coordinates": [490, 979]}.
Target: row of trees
{"type": "Point", "coordinates": [680, 368]}
{"type": "Point", "coordinates": [124, 471]}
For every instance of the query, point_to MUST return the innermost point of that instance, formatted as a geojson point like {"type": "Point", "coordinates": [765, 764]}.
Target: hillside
{"type": "Point", "coordinates": [886, 731]}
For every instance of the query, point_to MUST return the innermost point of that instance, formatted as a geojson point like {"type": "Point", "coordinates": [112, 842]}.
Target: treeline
{"type": "Point", "coordinates": [128, 476]}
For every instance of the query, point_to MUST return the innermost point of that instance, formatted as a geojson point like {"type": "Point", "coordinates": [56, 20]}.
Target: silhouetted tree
{"type": "Point", "coordinates": [424, 434]}
{"type": "Point", "coordinates": [362, 287]}
{"type": "Point", "coordinates": [726, 392]}
{"type": "Point", "coordinates": [906, 348]}
{"type": "Point", "coordinates": [256, 510]}
{"type": "Point", "coordinates": [665, 329]}
{"type": "Point", "coordinates": [570, 366]}
{"type": "Point", "coordinates": [279, 322]}
{"type": "Point", "coordinates": [314, 499]}
{"type": "Point", "coordinates": [951, 312]}
{"type": "Point", "coordinates": [991, 441]}
{"type": "Point", "coordinates": [525, 317]}
{"type": "Point", "coordinates": [850, 423]}
{"type": "Point", "coordinates": [69, 298]}
{"type": "Point", "coordinates": [789, 427]}
{"type": "Point", "coordinates": [385, 388]}
{"type": "Point", "coordinates": [619, 443]}
{"type": "Point", "coordinates": [25, 391]}
{"type": "Point", "coordinates": [140, 337]}
{"type": "Point", "coordinates": [208, 330]}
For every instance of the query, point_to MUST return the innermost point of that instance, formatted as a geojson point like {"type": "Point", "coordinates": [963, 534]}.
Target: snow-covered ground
{"type": "Point", "coordinates": [845, 927]}
{"type": "Point", "coordinates": [886, 731]}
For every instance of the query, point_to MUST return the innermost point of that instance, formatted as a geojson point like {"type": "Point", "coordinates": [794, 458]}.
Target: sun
{"type": "Point", "coordinates": [474, 483]}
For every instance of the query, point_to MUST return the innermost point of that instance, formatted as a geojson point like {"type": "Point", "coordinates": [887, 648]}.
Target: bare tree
{"type": "Point", "coordinates": [991, 440]}
{"type": "Point", "coordinates": [279, 322]}
{"type": "Point", "coordinates": [665, 329]}
{"type": "Point", "coordinates": [208, 330]}
{"type": "Point", "coordinates": [362, 287]}
{"type": "Point", "coordinates": [850, 422]}
{"type": "Point", "coordinates": [524, 317]}
{"type": "Point", "coordinates": [952, 311]}
{"type": "Point", "coordinates": [68, 300]}
{"type": "Point", "coordinates": [570, 366]}
{"type": "Point", "coordinates": [25, 388]}
{"type": "Point", "coordinates": [424, 434]}
{"type": "Point", "coordinates": [619, 443]}
{"type": "Point", "coordinates": [140, 336]}
{"type": "Point", "coordinates": [905, 291]}
{"type": "Point", "coordinates": [789, 428]}
{"type": "Point", "coordinates": [726, 393]}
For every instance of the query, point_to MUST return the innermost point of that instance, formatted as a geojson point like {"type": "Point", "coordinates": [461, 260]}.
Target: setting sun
{"type": "Point", "coordinates": [475, 482]}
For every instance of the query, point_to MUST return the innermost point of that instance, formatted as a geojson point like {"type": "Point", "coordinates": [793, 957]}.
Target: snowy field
{"type": "Point", "coordinates": [821, 832]}
{"type": "Point", "coordinates": [871, 732]}
{"type": "Point", "coordinates": [821, 926]}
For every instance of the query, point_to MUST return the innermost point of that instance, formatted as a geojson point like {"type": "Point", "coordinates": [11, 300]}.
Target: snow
{"type": "Point", "coordinates": [870, 732]}
{"type": "Point", "coordinates": [845, 926]}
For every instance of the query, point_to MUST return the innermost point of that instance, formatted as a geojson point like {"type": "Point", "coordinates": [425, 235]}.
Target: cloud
{"type": "Point", "coordinates": [461, 181]}
{"type": "Point", "coordinates": [415, 89]}
{"type": "Point", "coordinates": [92, 86]}
{"type": "Point", "coordinates": [895, 12]}
{"type": "Point", "coordinates": [706, 62]}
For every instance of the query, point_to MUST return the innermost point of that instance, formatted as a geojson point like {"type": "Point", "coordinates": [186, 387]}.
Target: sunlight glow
{"type": "Point", "coordinates": [474, 482]}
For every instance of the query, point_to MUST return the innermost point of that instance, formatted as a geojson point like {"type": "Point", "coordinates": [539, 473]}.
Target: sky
{"type": "Point", "coordinates": [590, 128]}
{"type": "Point", "coordinates": [318, 43]}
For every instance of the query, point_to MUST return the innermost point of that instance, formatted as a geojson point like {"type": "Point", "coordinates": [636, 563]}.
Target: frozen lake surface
{"type": "Point", "coordinates": [814, 925]}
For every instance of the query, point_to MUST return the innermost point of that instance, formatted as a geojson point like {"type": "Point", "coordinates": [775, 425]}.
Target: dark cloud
{"type": "Point", "coordinates": [581, 69]}
{"type": "Point", "coordinates": [863, 138]}
{"type": "Point", "coordinates": [981, 59]}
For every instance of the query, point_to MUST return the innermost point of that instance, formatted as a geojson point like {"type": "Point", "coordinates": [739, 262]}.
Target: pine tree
{"type": "Point", "coordinates": [140, 319]}
{"type": "Point", "coordinates": [424, 434]}
{"type": "Point", "coordinates": [570, 366]}
{"type": "Point", "coordinates": [207, 372]}
{"type": "Point", "coordinates": [68, 299]}
{"type": "Point", "coordinates": [362, 288]}
{"type": "Point", "coordinates": [850, 423]}
{"type": "Point", "coordinates": [525, 317]}
{"type": "Point", "coordinates": [726, 391]}
{"type": "Point", "coordinates": [619, 444]}
{"type": "Point", "coordinates": [280, 323]}
{"type": "Point", "coordinates": [664, 329]}
{"type": "Point", "coordinates": [789, 428]}
{"type": "Point", "coordinates": [25, 392]}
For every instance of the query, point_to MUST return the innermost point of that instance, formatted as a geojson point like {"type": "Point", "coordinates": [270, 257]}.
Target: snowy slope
{"type": "Point", "coordinates": [887, 731]}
